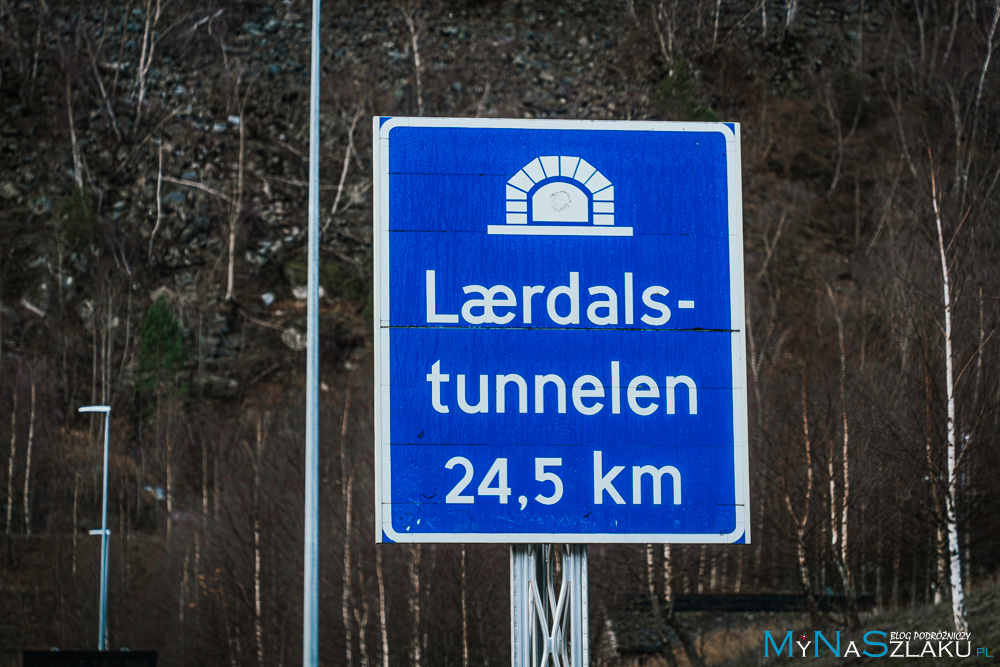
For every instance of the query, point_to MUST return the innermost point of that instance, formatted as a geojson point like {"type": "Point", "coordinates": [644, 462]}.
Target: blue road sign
{"type": "Point", "coordinates": [559, 332]}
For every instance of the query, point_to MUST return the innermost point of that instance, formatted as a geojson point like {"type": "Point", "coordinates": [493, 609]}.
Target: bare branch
{"type": "Point", "coordinates": [343, 171]}
{"type": "Point", "coordinates": [418, 68]}
{"type": "Point", "coordinates": [772, 245]}
{"type": "Point", "coordinates": [199, 186]}
{"type": "Point", "coordinates": [159, 204]}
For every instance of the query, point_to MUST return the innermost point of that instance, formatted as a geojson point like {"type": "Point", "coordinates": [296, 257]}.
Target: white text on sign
{"type": "Point", "coordinates": [588, 393]}
{"type": "Point", "coordinates": [495, 482]}
{"type": "Point", "coordinates": [562, 304]}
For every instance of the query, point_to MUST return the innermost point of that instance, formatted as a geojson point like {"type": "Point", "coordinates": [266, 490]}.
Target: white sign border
{"type": "Point", "coordinates": [380, 294]}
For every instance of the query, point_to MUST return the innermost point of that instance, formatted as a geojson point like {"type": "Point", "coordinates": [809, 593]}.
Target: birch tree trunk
{"type": "Point", "coordinates": [76, 496]}
{"type": "Point", "coordinates": [802, 521]}
{"type": "Point", "coordinates": [10, 462]}
{"type": "Point", "coordinates": [951, 498]}
{"type": "Point", "coordinates": [668, 581]}
{"type": "Point", "coordinates": [651, 580]}
{"type": "Point", "coordinates": [362, 620]}
{"type": "Point", "coordinates": [897, 561]}
{"type": "Point", "coordinates": [934, 472]}
{"type": "Point", "coordinates": [170, 479]}
{"type": "Point", "coordinates": [215, 487]}
{"type": "Point", "coordinates": [415, 656]}
{"type": "Point", "coordinates": [701, 570]}
{"type": "Point", "coordinates": [831, 455]}
{"type": "Point", "coordinates": [347, 496]}
{"type": "Point", "coordinates": [203, 528]}
{"type": "Point", "coordinates": [346, 601]}
{"type": "Point", "coordinates": [146, 56]}
{"type": "Point", "coordinates": [27, 462]}
{"type": "Point", "coordinates": [658, 619]}
{"type": "Point", "coordinates": [232, 635]}
{"type": "Point", "coordinates": [738, 584]}
{"type": "Point", "coordinates": [181, 598]}
{"type": "Point", "coordinates": [257, 606]}
{"type": "Point", "coordinates": [845, 568]}
{"type": "Point", "coordinates": [237, 207]}
{"type": "Point", "coordinates": [418, 69]}
{"type": "Point", "coordinates": [465, 616]}
{"type": "Point", "coordinates": [382, 620]}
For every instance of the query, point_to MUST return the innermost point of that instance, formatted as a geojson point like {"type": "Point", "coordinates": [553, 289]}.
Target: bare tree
{"type": "Point", "coordinates": [258, 459]}
{"type": "Point", "coordinates": [383, 620]}
{"type": "Point", "coordinates": [951, 497]}
{"type": "Point", "coordinates": [409, 15]}
{"type": "Point", "coordinates": [414, 603]}
{"type": "Point", "coordinates": [159, 201]}
{"type": "Point", "coordinates": [791, 9]}
{"type": "Point", "coordinates": [169, 442]}
{"type": "Point", "coordinates": [348, 152]}
{"type": "Point", "coordinates": [76, 504]}
{"type": "Point", "coordinates": [668, 581]}
{"type": "Point", "coordinates": [348, 574]}
{"type": "Point", "coordinates": [236, 209]}
{"type": "Point", "coordinates": [347, 486]}
{"type": "Point", "coordinates": [10, 459]}
{"type": "Point", "coordinates": [77, 168]}
{"type": "Point", "coordinates": [27, 460]}
{"type": "Point", "coordinates": [843, 561]}
{"type": "Point", "coordinates": [149, 40]}
{"type": "Point", "coordinates": [657, 613]}
{"type": "Point", "coordinates": [665, 25]}
{"type": "Point", "coordinates": [361, 617]}
{"type": "Point", "coordinates": [802, 521]}
{"type": "Point", "coordinates": [465, 616]}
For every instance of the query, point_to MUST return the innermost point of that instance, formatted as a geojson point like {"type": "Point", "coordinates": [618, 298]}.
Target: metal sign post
{"type": "Point", "coordinates": [103, 532]}
{"type": "Point", "coordinates": [310, 579]}
{"type": "Point", "coordinates": [559, 344]}
{"type": "Point", "coordinates": [548, 605]}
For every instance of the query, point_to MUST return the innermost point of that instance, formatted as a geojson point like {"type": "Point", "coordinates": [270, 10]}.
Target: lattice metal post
{"type": "Point", "coordinates": [548, 624]}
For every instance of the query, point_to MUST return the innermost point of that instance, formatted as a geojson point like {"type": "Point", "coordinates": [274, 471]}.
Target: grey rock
{"type": "Point", "coordinates": [256, 259]}
{"type": "Point", "coordinates": [293, 340]}
{"type": "Point", "coordinates": [217, 386]}
{"type": "Point", "coordinates": [175, 198]}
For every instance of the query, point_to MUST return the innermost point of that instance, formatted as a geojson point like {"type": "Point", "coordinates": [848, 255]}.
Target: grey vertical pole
{"type": "Point", "coordinates": [310, 580]}
{"type": "Point", "coordinates": [104, 540]}
{"type": "Point", "coordinates": [103, 532]}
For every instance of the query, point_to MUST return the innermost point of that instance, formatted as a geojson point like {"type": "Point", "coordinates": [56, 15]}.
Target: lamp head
{"type": "Point", "coordinates": [96, 408]}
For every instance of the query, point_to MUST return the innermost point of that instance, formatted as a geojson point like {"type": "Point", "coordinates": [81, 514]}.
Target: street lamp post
{"type": "Point", "coordinates": [103, 531]}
